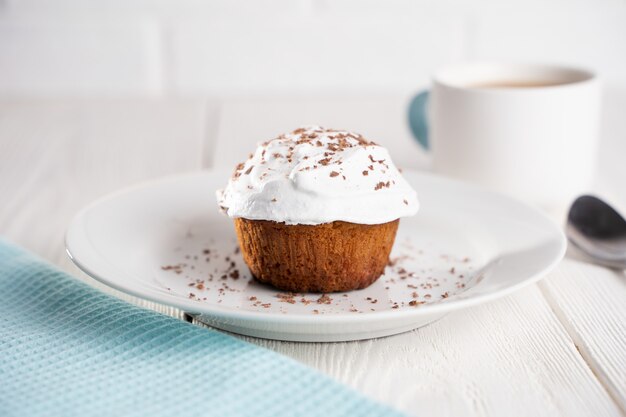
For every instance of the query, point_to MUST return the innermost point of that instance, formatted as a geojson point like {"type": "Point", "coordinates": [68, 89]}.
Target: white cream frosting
{"type": "Point", "coordinates": [315, 175]}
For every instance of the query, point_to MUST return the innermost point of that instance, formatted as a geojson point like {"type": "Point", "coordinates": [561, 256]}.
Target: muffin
{"type": "Point", "coordinates": [317, 210]}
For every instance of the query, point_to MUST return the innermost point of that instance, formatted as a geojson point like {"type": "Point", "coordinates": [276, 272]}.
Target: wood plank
{"type": "Point", "coordinates": [532, 366]}
{"type": "Point", "coordinates": [57, 156]}
{"type": "Point", "coordinates": [590, 301]}
{"type": "Point", "coordinates": [510, 357]}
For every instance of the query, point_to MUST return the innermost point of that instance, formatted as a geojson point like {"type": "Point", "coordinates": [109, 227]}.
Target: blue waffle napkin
{"type": "Point", "coordinates": [67, 349]}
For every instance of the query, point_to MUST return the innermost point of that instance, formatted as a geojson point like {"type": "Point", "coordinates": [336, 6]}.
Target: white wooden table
{"type": "Point", "coordinates": [556, 348]}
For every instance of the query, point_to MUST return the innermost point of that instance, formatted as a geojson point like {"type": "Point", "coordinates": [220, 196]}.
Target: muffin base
{"type": "Point", "coordinates": [329, 257]}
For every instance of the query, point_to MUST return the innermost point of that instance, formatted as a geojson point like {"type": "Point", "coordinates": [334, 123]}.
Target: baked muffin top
{"type": "Point", "coordinates": [315, 175]}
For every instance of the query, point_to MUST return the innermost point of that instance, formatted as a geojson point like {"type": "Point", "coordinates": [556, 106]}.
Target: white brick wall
{"type": "Point", "coordinates": [64, 56]}
{"type": "Point", "coordinates": [312, 53]}
{"type": "Point", "coordinates": [193, 47]}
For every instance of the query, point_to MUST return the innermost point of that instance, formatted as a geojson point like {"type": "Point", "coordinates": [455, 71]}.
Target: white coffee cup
{"type": "Point", "coordinates": [527, 130]}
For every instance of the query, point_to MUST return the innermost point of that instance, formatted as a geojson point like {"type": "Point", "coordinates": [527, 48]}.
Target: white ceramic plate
{"type": "Point", "coordinates": [165, 241]}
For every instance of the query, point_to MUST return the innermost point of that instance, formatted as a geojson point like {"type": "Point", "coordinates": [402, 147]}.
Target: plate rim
{"type": "Point", "coordinates": [212, 309]}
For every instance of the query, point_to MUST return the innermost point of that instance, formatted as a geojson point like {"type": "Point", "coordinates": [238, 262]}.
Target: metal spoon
{"type": "Point", "coordinates": [598, 230]}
